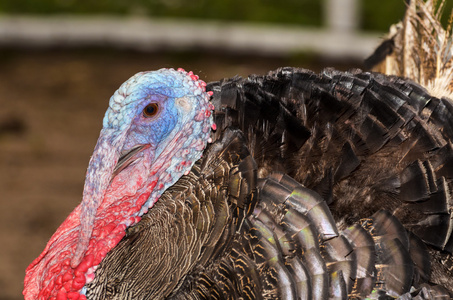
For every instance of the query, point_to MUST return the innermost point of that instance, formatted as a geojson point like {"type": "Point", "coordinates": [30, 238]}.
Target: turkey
{"type": "Point", "coordinates": [310, 186]}
{"type": "Point", "coordinates": [314, 186]}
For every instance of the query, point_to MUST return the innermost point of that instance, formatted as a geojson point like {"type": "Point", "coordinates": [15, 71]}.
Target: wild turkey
{"type": "Point", "coordinates": [315, 186]}
{"type": "Point", "coordinates": [373, 153]}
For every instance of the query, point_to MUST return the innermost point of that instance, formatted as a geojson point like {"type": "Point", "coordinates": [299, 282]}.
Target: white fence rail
{"type": "Point", "coordinates": [339, 39]}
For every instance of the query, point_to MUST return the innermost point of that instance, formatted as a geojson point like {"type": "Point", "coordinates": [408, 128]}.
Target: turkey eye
{"type": "Point", "coordinates": [151, 110]}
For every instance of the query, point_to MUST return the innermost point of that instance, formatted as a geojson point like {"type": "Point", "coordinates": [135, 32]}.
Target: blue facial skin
{"type": "Point", "coordinates": [127, 104]}
{"type": "Point", "coordinates": [152, 130]}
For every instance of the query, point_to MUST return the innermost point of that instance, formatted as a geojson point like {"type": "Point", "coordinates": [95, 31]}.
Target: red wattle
{"type": "Point", "coordinates": [65, 282]}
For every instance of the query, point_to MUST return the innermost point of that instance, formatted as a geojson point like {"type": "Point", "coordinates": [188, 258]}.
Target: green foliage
{"type": "Point", "coordinates": [62, 6]}
{"type": "Point", "coordinates": [303, 12]}
{"type": "Point", "coordinates": [378, 15]}
{"type": "Point", "coordinates": [448, 13]}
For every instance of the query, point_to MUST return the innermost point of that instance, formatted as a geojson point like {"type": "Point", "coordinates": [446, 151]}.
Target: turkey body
{"type": "Point", "coordinates": [316, 186]}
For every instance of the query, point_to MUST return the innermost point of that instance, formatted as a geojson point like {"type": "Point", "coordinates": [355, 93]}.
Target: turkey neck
{"type": "Point", "coordinates": [183, 234]}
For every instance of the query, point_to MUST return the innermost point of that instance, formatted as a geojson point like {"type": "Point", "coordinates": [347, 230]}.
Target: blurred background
{"type": "Point", "coordinates": [61, 60]}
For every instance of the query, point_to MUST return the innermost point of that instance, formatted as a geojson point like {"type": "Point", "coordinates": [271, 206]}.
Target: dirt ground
{"type": "Point", "coordinates": [52, 104]}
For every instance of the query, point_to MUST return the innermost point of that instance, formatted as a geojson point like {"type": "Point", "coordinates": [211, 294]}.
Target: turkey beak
{"type": "Point", "coordinates": [107, 161]}
{"type": "Point", "coordinates": [103, 164]}
{"type": "Point", "coordinates": [127, 158]}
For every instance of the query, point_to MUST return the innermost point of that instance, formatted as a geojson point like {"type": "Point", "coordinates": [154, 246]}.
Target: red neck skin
{"type": "Point", "coordinates": [113, 216]}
